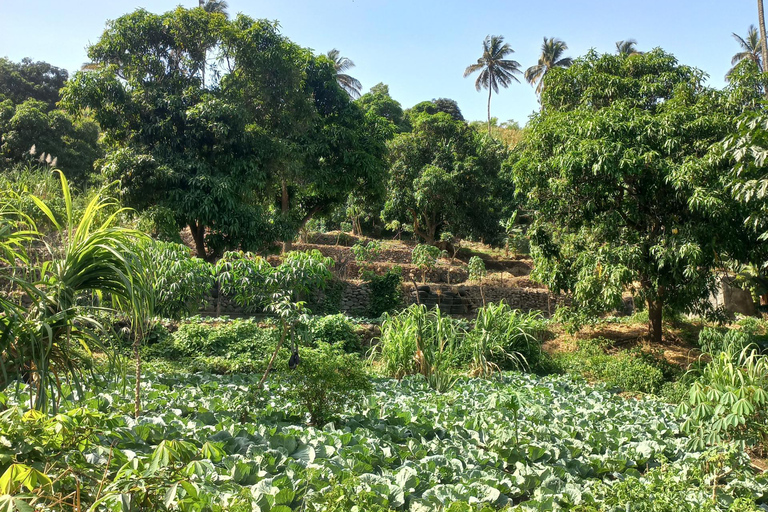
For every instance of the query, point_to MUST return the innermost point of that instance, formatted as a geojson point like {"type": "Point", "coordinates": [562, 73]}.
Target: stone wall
{"type": "Point", "coordinates": [457, 300]}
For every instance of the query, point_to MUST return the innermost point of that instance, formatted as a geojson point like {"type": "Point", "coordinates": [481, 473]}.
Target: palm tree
{"type": "Point", "coordinates": [552, 50]}
{"type": "Point", "coordinates": [750, 47]}
{"type": "Point", "coordinates": [627, 48]}
{"type": "Point", "coordinates": [215, 6]}
{"type": "Point", "coordinates": [494, 69]}
{"type": "Point", "coordinates": [340, 64]}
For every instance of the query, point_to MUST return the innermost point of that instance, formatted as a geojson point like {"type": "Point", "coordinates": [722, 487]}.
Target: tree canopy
{"type": "Point", "coordinates": [242, 159]}
{"type": "Point", "coordinates": [616, 168]}
{"type": "Point", "coordinates": [446, 176]}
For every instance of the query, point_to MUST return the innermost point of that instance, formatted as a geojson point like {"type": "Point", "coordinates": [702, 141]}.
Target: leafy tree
{"type": "Point", "coordinates": [627, 47]}
{"type": "Point", "coordinates": [494, 69]}
{"type": "Point", "coordinates": [378, 101]}
{"type": "Point", "coordinates": [445, 174]}
{"type": "Point", "coordinates": [31, 131]}
{"type": "Point", "coordinates": [243, 161]}
{"type": "Point", "coordinates": [340, 64]}
{"type": "Point", "coordinates": [446, 105]}
{"type": "Point", "coordinates": [31, 80]}
{"type": "Point", "coordinates": [552, 50]}
{"type": "Point", "coordinates": [616, 169]}
{"type": "Point", "coordinates": [750, 49]}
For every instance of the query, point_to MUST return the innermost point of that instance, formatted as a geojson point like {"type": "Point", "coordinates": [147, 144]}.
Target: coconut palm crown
{"type": "Point", "coordinates": [341, 64]}
{"type": "Point", "coordinates": [552, 50]}
{"type": "Point", "coordinates": [750, 49]}
{"type": "Point", "coordinates": [494, 69]}
{"type": "Point", "coordinates": [627, 48]}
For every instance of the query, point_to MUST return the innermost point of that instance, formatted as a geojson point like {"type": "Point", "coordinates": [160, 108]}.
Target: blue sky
{"type": "Point", "coordinates": [420, 48]}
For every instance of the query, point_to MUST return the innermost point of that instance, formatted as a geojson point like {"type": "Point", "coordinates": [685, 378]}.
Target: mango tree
{"type": "Point", "coordinates": [625, 198]}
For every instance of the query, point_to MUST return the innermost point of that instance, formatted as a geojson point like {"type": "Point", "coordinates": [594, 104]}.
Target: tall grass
{"type": "Point", "coordinates": [504, 338]}
{"type": "Point", "coordinates": [419, 341]}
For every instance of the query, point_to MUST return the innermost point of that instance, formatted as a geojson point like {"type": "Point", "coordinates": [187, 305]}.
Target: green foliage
{"type": "Point", "coordinates": [564, 445]}
{"type": "Point", "coordinates": [327, 382]}
{"type": "Point", "coordinates": [253, 283]}
{"type": "Point", "coordinates": [218, 152]}
{"type": "Point", "coordinates": [425, 257]}
{"type": "Point", "coordinates": [444, 175]}
{"type": "Point", "coordinates": [31, 132]}
{"type": "Point", "coordinates": [377, 101]}
{"type": "Point", "coordinates": [418, 341]}
{"type": "Point", "coordinates": [476, 268]}
{"type": "Point", "coordinates": [366, 254]}
{"type": "Point", "coordinates": [227, 338]}
{"type": "Point", "coordinates": [629, 370]}
{"type": "Point", "coordinates": [625, 197]}
{"type": "Point", "coordinates": [729, 401]}
{"type": "Point", "coordinates": [181, 282]}
{"type": "Point", "coordinates": [87, 263]}
{"type": "Point", "coordinates": [337, 331]}
{"type": "Point", "coordinates": [503, 338]}
{"type": "Point", "coordinates": [385, 291]}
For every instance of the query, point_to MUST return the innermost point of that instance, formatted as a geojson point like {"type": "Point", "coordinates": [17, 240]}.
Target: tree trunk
{"type": "Point", "coordinates": [654, 319]}
{"type": "Point", "coordinates": [490, 90]}
{"type": "Point", "coordinates": [198, 235]}
{"type": "Point", "coordinates": [763, 42]}
{"type": "Point", "coordinates": [284, 204]}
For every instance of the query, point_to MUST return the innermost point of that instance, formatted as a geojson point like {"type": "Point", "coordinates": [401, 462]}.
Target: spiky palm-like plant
{"type": "Point", "coordinates": [341, 64]}
{"type": "Point", "coordinates": [494, 69]}
{"type": "Point", "coordinates": [750, 47]}
{"type": "Point", "coordinates": [84, 259]}
{"type": "Point", "coordinates": [552, 50]}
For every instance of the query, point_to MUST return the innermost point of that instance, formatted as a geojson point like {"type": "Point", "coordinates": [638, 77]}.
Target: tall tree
{"type": "Point", "coordinates": [494, 69]}
{"type": "Point", "coordinates": [626, 197]}
{"type": "Point", "coordinates": [763, 41]}
{"type": "Point", "coordinates": [552, 50]}
{"type": "Point", "coordinates": [750, 47]}
{"type": "Point", "coordinates": [627, 47]}
{"type": "Point", "coordinates": [31, 80]}
{"type": "Point", "coordinates": [445, 176]}
{"type": "Point", "coordinates": [348, 83]}
{"type": "Point", "coordinates": [242, 162]}
{"type": "Point", "coordinates": [377, 101]}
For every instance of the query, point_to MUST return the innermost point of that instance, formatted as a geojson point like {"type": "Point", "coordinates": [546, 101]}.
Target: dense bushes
{"type": "Point", "coordinates": [327, 383]}
{"type": "Point", "coordinates": [335, 330]}
{"type": "Point", "coordinates": [385, 291]}
{"type": "Point", "coordinates": [629, 370]}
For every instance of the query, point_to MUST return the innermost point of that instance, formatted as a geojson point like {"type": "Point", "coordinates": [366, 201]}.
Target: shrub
{"type": "Point", "coordinates": [335, 330]}
{"type": "Point", "coordinates": [327, 382]}
{"type": "Point", "coordinates": [366, 254]}
{"type": "Point", "coordinates": [231, 338]}
{"type": "Point", "coordinates": [425, 257]}
{"type": "Point", "coordinates": [385, 291]}
{"type": "Point", "coordinates": [476, 268]}
{"type": "Point", "coordinates": [631, 373]}
{"type": "Point", "coordinates": [729, 401]}
{"type": "Point", "coordinates": [632, 370]}
{"type": "Point", "coordinates": [181, 282]}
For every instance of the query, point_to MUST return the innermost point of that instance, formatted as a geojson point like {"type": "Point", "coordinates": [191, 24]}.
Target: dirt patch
{"type": "Point", "coordinates": [674, 348]}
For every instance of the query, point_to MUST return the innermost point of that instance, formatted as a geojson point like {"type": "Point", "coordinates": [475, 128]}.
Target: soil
{"type": "Point", "coordinates": [674, 347]}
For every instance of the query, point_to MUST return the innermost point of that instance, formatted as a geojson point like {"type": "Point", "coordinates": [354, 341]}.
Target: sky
{"type": "Point", "coordinates": [420, 48]}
